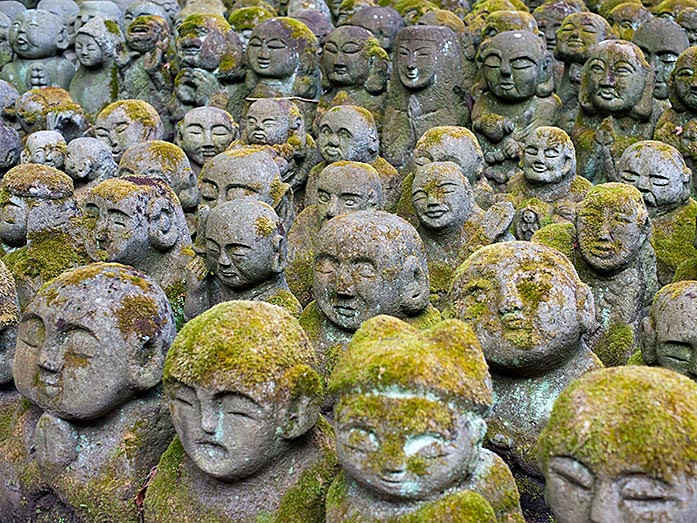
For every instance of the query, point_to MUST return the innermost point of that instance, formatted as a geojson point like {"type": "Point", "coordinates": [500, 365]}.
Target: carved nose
{"type": "Point", "coordinates": [510, 298]}
{"type": "Point", "coordinates": [605, 505]}
{"type": "Point", "coordinates": [344, 282]}
{"type": "Point", "coordinates": [50, 358]}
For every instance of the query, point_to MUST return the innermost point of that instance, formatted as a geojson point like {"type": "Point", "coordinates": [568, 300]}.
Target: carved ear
{"type": "Point", "coordinates": [585, 306]}
{"type": "Point", "coordinates": [24, 157]}
{"type": "Point", "coordinates": [376, 82]}
{"type": "Point", "coordinates": [566, 168]}
{"type": "Point", "coordinates": [280, 254]}
{"type": "Point", "coordinates": [303, 409]}
{"type": "Point", "coordinates": [145, 366]}
{"type": "Point", "coordinates": [62, 39]}
{"type": "Point", "coordinates": [545, 87]}
{"type": "Point", "coordinates": [478, 430]}
{"type": "Point", "coordinates": [647, 338]}
{"type": "Point", "coordinates": [283, 204]}
{"type": "Point", "coordinates": [416, 291]}
{"type": "Point", "coordinates": [162, 229]}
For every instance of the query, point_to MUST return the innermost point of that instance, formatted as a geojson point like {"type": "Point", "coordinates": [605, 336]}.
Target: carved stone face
{"type": "Point", "coordinates": [549, 18]}
{"type": "Point", "coordinates": [270, 52]}
{"type": "Point", "coordinates": [13, 221]}
{"type": "Point", "coordinates": [577, 36]}
{"type": "Point", "coordinates": [417, 60]}
{"type": "Point", "coordinates": [267, 123]}
{"type": "Point", "coordinates": [459, 146]}
{"type": "Point", "coordinates": [610, 231]}
{"type": "Point", "coordinates": [661, 41]}
{"type": "Point", "coordinates": [391, 454]}
{"type": "Point", "coordinates": [345, 134]}
{"type": "Point", "coordinates": [685, 78]}
{"type": "Point", "coordinates": [547, 159]}
{"type": "Point", "coordinates": [511, 66]}
{"type": "Point", "coordinates": [45, 147]}
{"type": "Point", "coordinates": [383, 22]}
{"type": "Point", "coordinates": [439, 196]}
{"type": "Point", "coordinates": [687, 19]}
{"type": "Point", "coordinates": [344, 60]}
{"type": "Point", "coordinates": [119, 131]}
{"type": "Point", "coordinates": [626, 18]}
{"type": "Point", "coordinates": [34, 34]}
{"type": "Point", "coordinates": [88, 51]}
{"type": "Point", "coordinates": [658, 171]}
{"type": "Point", "coordinates": [144, 33]}
{"type": "Point", "coordinates": [206, 132]}
{"type": "Point", "coordinates": [346, 188]}
{"type": "Point", "coordinates": [88, 158]}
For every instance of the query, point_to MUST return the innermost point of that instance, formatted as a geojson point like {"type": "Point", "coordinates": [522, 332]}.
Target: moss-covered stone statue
{"type": "Point", "coordinates": [659, 172]}
{"type": "Point", "coordinates": [366, 263]}
{"type": "Point", "coordinates": [244, 395]}
{"type": "Point", "coordinates": [342, 187]}
{"type": "Point", "coordinates": [383, 21]}
{"type": "Point", "coordinates": [283, 63]}
{"type": "Point", "coordinates": [127, 122]}
{"type": "Point", "coordinates": [243, 20]}
{"type": "Point", "coordinates": [205, 132]}
{"type": "Point", "coordinates": [687, 19]}
{"type": "Point", "coordinates": [410, 421]}
{"type": "Point", "coordinates": [549, 17]}
{"type": "Point", "coordinates": [245, 259]}
{"type": "Point", "coordinates": [9, 318]}
{"type": "Point", "coordinates": [12, 147]}
{"type": "Point", "coordinates": [349, 133]}
{"type": "Point", "coordinates": [354, 70]}
{"type": "Point", "coordinates": [518, 72]}
{"type": "Point", "coordinates": [50, 109]}
{"type": "Point", "coordinates": [617, 108]}
{"type": "Point", "coordinates": [548, 178]}
{"type": "Point", "coordinates": [88, 161]}
{"type": "Point", "coordinates": [38, 39]}
{"type": "Point", "coordinates": [530, 312]}
{"type": "Point", "coordinates": [619, 446]}
{"type": "Point", "coordinates": [45, 147]}
{"type": "Point", "coordinates": [578, 34]}
{"type": "Point", "coordinates": [611, 250]}
{"type": "Point", "coordinates": [90, 356]}
{"type": "Point", "coordinates": [425, 89]}
{"type": "Point", "coordinates": [96, 83]}
{"type": "Point", "coordinates": [626, 17]}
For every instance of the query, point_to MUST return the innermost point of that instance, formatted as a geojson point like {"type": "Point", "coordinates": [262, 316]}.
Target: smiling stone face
{"type": "Point", "coordinates": [441, 196]}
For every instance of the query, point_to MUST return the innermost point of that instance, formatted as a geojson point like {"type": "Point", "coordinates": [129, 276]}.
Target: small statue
{"type": "Point", "coordinates": [625, 19]}
{"type": "Point", "coordinates": [687, 19]}
{"type": "Point", "coordinates": [619, 446]}
{"type": "Point", "coordinates": [518, 73]}
{"type": "Point", "coordinates": [342, 187]}
{"type": "Point", "coordinates": [396, 464]}
{"type": "Point", "coordinates": [97, 46]}
{"type": "Point", "coordinates": [425, 90]}
{"type": "Point", "coordinates": [89, 162]}
{"type": "Point", "coordinates": [549, 17]}
{"type": "Point", "coordinates": [243, 20]}
{"type": "Point", "coordinates": [45, 147]}
{"type": "Point", "coordinates": [366, 263]}
{"type": "Point", "coordinates": [50, 109]}
{"type": "Point", "coordinates": [617, 108]}
{"type": "Point", "coordinates": [205, 132]}
{"type": "Point", "coordinates": [90, 355]}
{"type": "Point", "coordinates": [244, 396]}
{"type": "Point", "coordinates": [245, 259]}
{"type": "Point", "coordinates": [670, 9]}
{"type": "Point", "coordinates": [11, 144]}
{"type": "Point", "coordinates": [143, 7]}
{"type": "Point", "coordinates": [659, 172]}
{"type": "Point", "coordinates": [530, 312]}
{"type": "Point", "coordinates": [90, 9]}
{"type": "Point", "coordinates": [38, 39]}
{"type": "Point", "coordinates": [9, 318]}
{"type": "Point", "coordinates": [384, 22]}
{"type": "Point", "coordinates": [127, 122]}
{"type": "Point", "coordinates": [6, 52]}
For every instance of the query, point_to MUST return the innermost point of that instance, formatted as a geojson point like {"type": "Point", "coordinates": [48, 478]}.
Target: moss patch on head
{"type": "Point", "coordinates": [136, 110]}
{"type": "Point", "coordinates": [463, 507]}
{"type": "Point", "coordinates": [38, 181]}
{"type": "Point", "coordinates": [615, 345]}
{"type": "Point", "coordinates": [559, 236]}
{"type": "Point", "coordinates": [193, 23]}
{"type": "Point", "coordinates": [139, 314]}
{"type": "Point", "coordinates": [163, 154]}
{"type": "Point", "coordinates": [248, 17]}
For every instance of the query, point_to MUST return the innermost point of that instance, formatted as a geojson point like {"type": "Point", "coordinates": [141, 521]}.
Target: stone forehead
{"type": "Point", "coordinates": [676, 294]}
{"type": "Point", "coordinates": [513, 41]}
{"type": "Point", "coordinates": [654, 153]}
{"type": "Point", "coordinates": [162, 153]}
{"type": "Point", "coordinates": [208, 114]}
{"type": "Point", "coordinates": [614, 195]}
{"type": "Point", "coordinates": [194, 22]}
{"type": "Point", "coordinates": [44, 137]}
{"type": "Point", "coordinates": [247, 214]}
{"type": "Point", "coordinates": [140, 187]}
{"type": "Point", "coordinates": [617, 50]}
{"type": "Point", "coordinates": [135, 110]}
{"type": "Point", "coordinates": [438, 170]}
{"type": "Point", "coordinates": [588, 18]}
{"type": "Point", "coordinates": [350, 33]}
{"type": "Point", "coordinates": [349, 114]}
{"type": "Point", "coordinates": [430, 33]}
{"type": "Point", "coordinates": [551, 136]}
{"type": "Point", "coordinates": [87, 146]}
{"type": "Point", "coordinates": [661, 34]}
{"type": "Point", "coordinates": [242, 163]}
{"type": "Point", "coordinates": [351, 171]}
{"type": "Point", "coordinates": [686, 58]}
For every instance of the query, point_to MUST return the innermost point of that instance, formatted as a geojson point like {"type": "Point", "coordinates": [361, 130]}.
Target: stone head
{"type": "Point", "coordinates": [244, 19]}
{"type": "Point", "coordinates": [578, 34]}
{"type": "Point", "coordinates": [446, 18]}
{"type": "Point", "coordinates": [45, 147]}
{"type": "Point", "coordinates": [501, 21]}
{"type": "Point", "coordinates": [344, 187]}
{"type": "Point", "coordinates": [8, 98]}
{"type": "Point", "coordinates": [527, 305]}
{"type": "Point", "coordinates": [245, 244]}
{"type": "Point", "coordinates": [11, 144]}
{"type": "Point", "coordinates": [530, 216]}
{"type": "Point", "coordinates": [166, 161]}
{"type": "Point", "coordinates": [391, 369]}
{"type": "Point", "coordinates": [661, 40]}
{"type": "Point", "coordinates": [38, 34]}
{"type": "Point", "coordinates": [612, 225]}
{"type": "Point", "coordinates": [143, 7]}
{"type": "Point", "coordinates": [549, 17]}
{"type": "Point", "coordinates": [132, 220]}
{"type": "Point", "coordinates": [348, 132]}
{"type": "Point", "coordinates": [171, 9]}
{"type": "Point", "coordinates": [147, 33]}
{"type": "Point", "coordinates": [81, 362]}
{"type": "Point", "coordinates": [548, 156]}
{"type": "Point", "coordinates": [617, 79]}
{"type": "Point", "coordinates": [353, 57]}
{"type": "Point", "coordinates": [515, 65]}
{"type": "Point", "coordinates": [50, 108]}
{"type": "Point", "coordinates": [90, 9]}
{"type": "Point", "coordinates": [87, 159]}
{"type": "Point", "coordinates": [280, 47]}
{"type": "Point", "coordinates": [687, 19]}
{"type": "Point", "coordinates": [316, 21]}
{"type": "Point", "coordinates": [659, 172]}
{"type": "Point", "coordinates": [205, 132]}
{"type": "Point", "coordinates": [369, 263]}
{"type": "Point", "coordinates": [9, 318]}
{"type": "Point", "coordinates": [242, 386]}
{"type": "Point", "coordinates": [625, 18]}
{"type": "Point", "coordinates": [12, 8]}
{"type": "Point", "coordinates": [451, 144]}
{"type": "Point", "coordinates": [670, 9]}
{"type": "Point", "coordinates": [442, 197]}
{"type": "Point", "coordinates": [384, 22]}
{"type": "Point", "coordinates": [683, 81]}
{"type": "Point", "coordinates": [208, 42]}
{"type": "Point", "coordinates": [127, 122]}
{"type": "Point", "coordinates": [273, 121]}
{"type": "Point", "coordinates": [97, 42]}
{"type": "Point", "coordinates": [425, 55]}
{"type": "Point", "coordinates": [6, 52]}
{"type": "Point", "coordinates": [619, 447]}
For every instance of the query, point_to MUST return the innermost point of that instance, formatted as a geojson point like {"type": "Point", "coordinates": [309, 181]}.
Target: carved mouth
{"type": "Point", "coordinates": [434, 214]}
{"type": "Point", "coordinates": [602, 250]}
{"type": "Point", "coordinates": [412, 74]}
{"type": "Point", "coordinates": [263, 63]}
{"type": "Point", "coordinates": [346, 311]}
{"type": "Point", "coordinates": [51, 384]}
{"type": "Point", "coordinates": [506, 86]}
{"type": "Point", "coordinates": [539, 167]}
{"type": "Point", "coordinates": [259, 135]}
{"type": "Point", "coordinates": [513, 320]}
{"type": "Point", "coordinates": [607, 94]}
{"type": "Point", "coordinates": [340, 69]}
{"type": "Point", "coordinates": [228, 273]}
{"type": "Point", "coordinates": [212, 449]}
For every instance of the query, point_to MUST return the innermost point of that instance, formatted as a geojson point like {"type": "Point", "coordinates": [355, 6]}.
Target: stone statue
{"type": "Point", "coordinates": [396, 464]}
{"type": "Point", "coordinates": [687, 19]}
{"type": "Point", "coordinates": [90, 9]}
{"type": "Point", "coordinates": [11, 145]}
{"type": "Point", "coordinates": [342, 187]}
{"type": "Point", "coordinates": [143, 7]}
{"type": "Point", "coordinates": [670, 9]}
{"type": "Point", "coordinates": [127, 122]}
{"type": "Point", "coordinates": [518, 72]}
{"type": "Point", "coordinates": [38, 39]}
{"type": "Point", "coordinates": [205, 132]}
{"type": "Point", "coordinates": [625, 19]}
{"type": "Point", "coordinates": [549, 17]}
{"type": "Point", "coordinates": [50, 109]}
{"type": "Point", "coordinates": [245, 258]}
{"type": "Point", "coordinates": [9, 318]}
{"type": "Point", "coordinates": [425, 89]}
{"type": "Point", "coordinates": [366, 263]}
{"type": "Point", "coordinates": [349, 133]}
{"type": "Point", "coordinates": [617, 108]}
{"type": "Point", "coordinates": [612, 252]}
{"type": "Point", "coordinates": [244, 19]}
{"type": "Point", "coordinates": [6, 52]}
{"type": "Point", "coordinates": [530, 311]}
{"type": "Point", "coordinates": [90, 355]}
{"type": "Point", "coordinates": [384, 22]}
{"type": "Point", "coordinates": [88, 161]}
{"type": "Point", "coordinates": [45, 147]}
{"type": "Point", "coordinates": [576, 38]}
{"type": "Point", "coordinates": [244, 396]}
{"type": "Point", "coordinates": [619, 447]}
{"type": "Point", "coordinates": [96, 82]}
{"type": "Point", "coordinates": [659, 172]}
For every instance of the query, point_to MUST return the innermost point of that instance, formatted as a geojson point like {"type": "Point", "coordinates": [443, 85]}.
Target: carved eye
{"type": "Point", "coordinates": [361, 439]}
{"type": "Point", "coordinates": [330, 47]}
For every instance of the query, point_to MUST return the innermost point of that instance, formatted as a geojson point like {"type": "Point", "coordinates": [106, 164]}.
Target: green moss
{"type": "Point", "coordinates": [112, 27]}
{"type": "Point", "coordinates": [136, 110]}
{"type": "Point", "coordinates": [559, 236]}
{"type": "Point", "coordinates": [615, 345]}
{"type": "Point", "coordinates": [636, 359]}
{"type": "Point", "coordinates": [248, 17]}
{"type": "Point", "coordinates": [116, 189]}
{"type": "Point", "coordinates": [673, 237]}
{"type": "Point", "coordinates": [287, 301]}
{"type": "Point", "coordinates": [192, 24]}
{"type": "Point", "coordinates": [138, 314]}
{"type": "Point", "coordinates": [48, 254]}
{"type": "Point", "coordinates": [38, 181]}
{"type": "Point", "coordinates": [462, 507]}
{"type": "Point", "coordinates": [264, 226]}
{"type": "Point", "coordinates": [278, 190]}
{"type": "Point", "coordinates": [176, 294]}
